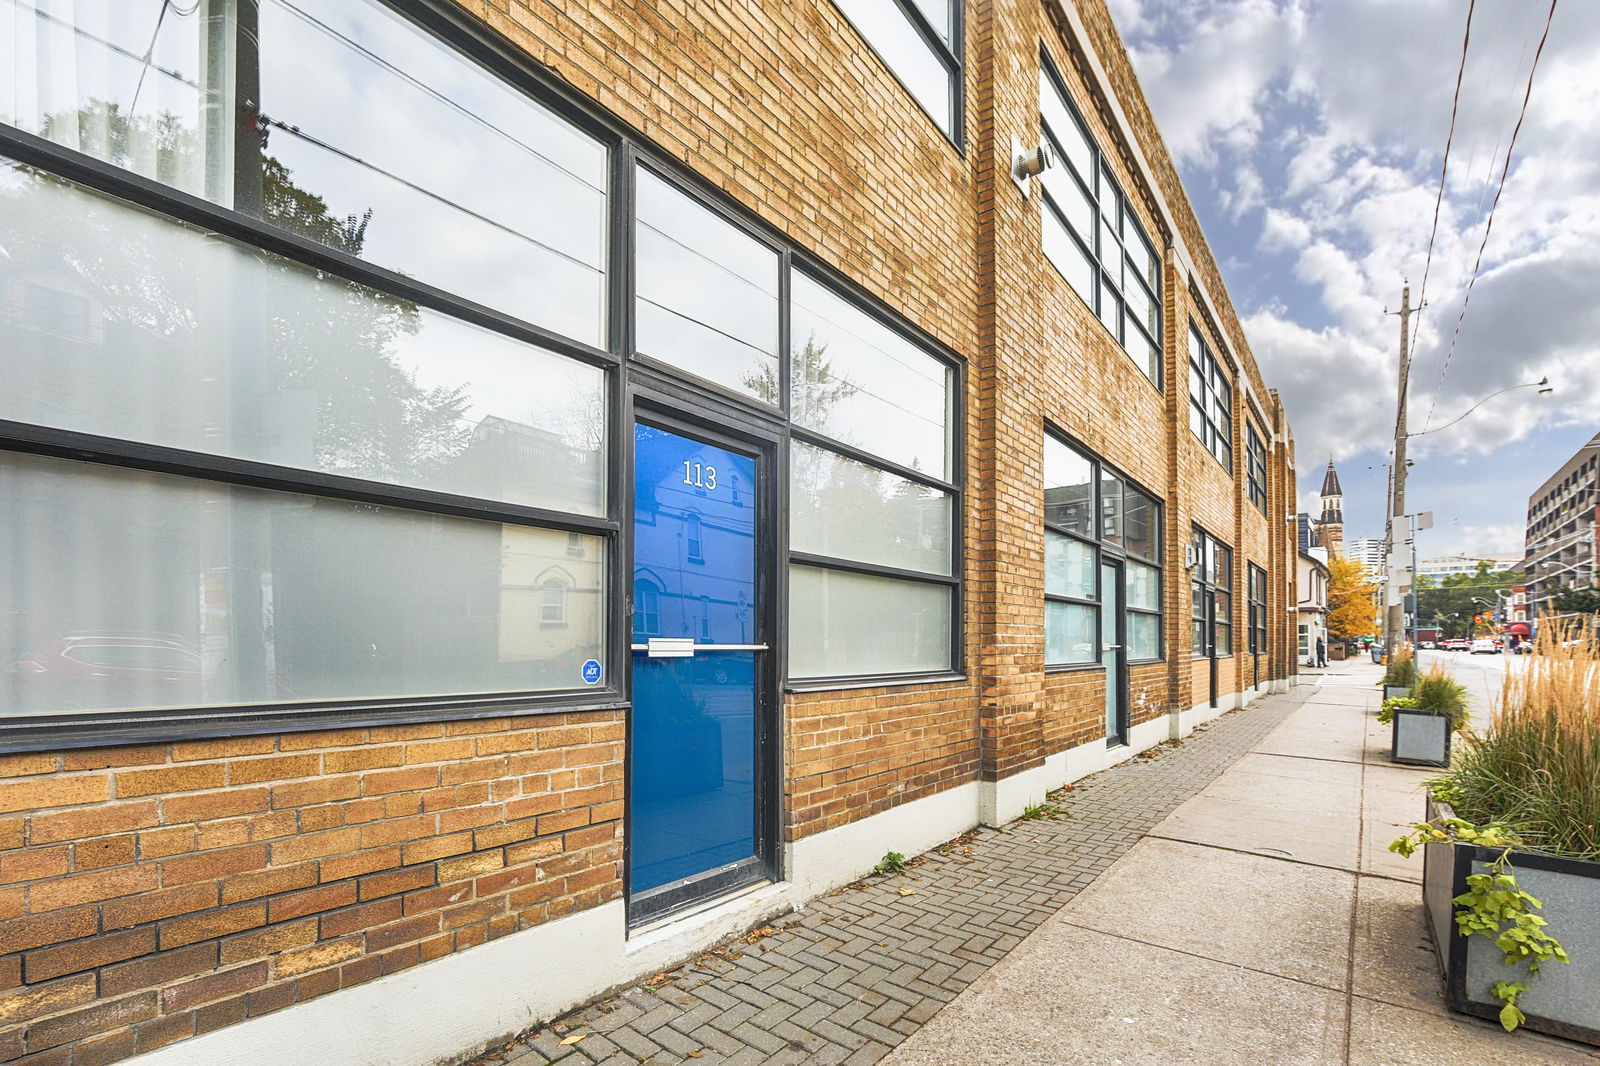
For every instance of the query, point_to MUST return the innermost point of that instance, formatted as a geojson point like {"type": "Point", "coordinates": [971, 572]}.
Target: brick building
{"type": "Point", "coordinates": [498, 496]}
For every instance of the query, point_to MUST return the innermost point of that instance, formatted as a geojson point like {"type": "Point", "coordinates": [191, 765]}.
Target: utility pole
{"type": "Point", "coordinates": [1394, 626]}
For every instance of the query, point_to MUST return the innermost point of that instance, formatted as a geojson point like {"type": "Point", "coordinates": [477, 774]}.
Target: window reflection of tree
{"type": "Point", "coordinates": [231, 355]}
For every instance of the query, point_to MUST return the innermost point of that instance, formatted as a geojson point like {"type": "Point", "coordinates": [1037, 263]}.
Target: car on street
{"type": "Point", "coordinates": [1456, 644]}
{"type": "Point", "coordinates": [1485, 646]}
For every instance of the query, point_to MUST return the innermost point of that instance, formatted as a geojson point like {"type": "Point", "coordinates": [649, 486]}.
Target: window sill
{"type": "Point", "coordinates": [1072, 668]}
{"type": "Point", "coordinates": [69, 732]}
{"type": "Point", "coordinates": [884, 681]}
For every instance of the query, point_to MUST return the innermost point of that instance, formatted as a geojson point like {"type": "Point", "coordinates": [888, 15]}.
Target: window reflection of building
{"type": "Point", "coordinates": [693, 538]}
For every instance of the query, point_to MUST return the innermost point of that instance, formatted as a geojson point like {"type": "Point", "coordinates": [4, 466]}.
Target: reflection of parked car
{"type": "Point", "coordinates": [1485, 646]}
{"type": "Point", "coordinates": [84, 671]}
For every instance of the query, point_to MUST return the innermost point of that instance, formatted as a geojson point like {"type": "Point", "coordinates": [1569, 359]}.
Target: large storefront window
{"type": "Point", "coordinates": [428, 165]}
{"type": "Point", "coordinates": [291, 466]}
{"type": "Point", "coordinates": [1078, 488]}
{"type": "Point", "coordinates": [873, 573]}
{"type": "Point", "coordinates": [308, 376]}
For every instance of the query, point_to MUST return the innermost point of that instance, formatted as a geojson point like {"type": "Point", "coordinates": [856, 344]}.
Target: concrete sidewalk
{"type": "Point", "coordinates": [1263, 921]}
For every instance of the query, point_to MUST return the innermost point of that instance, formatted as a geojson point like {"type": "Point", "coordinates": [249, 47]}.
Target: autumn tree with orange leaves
{"type": "Point", "coordinates": [1352, 609]}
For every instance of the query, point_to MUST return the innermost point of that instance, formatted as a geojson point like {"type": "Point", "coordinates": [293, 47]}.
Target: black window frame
{"type": "Point", "coordinates": [1211, 575]}
{"type": "Point", "coordinates": [1090, 244]}
{"type": "Point", "coordinates": [479, 45]}
{"type": "Point", "coordinates": [1255, 466]}
{"type": "Point", "coordinates": [1215, 392]}
{"type": "Point", "coordinates": [954, 582]}
{"type": "Point", "coordinates": [949, 55]}
{"type": "Point", "coordinates": [1258, 609]}
{"type": "Point", "coordinates": [1113, 546]}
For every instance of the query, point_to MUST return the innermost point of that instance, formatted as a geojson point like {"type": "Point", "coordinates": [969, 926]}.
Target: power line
{"type": "Point", "coordinates": [1444, 170]}
{"type": "Point", "coordinates": [1488, 227]}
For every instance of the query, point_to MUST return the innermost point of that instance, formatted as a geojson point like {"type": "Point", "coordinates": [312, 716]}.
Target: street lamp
{"type": "Point", "coordinates": [1395, 630]}
{"type": "Point", "coordinates": [1543, 385]}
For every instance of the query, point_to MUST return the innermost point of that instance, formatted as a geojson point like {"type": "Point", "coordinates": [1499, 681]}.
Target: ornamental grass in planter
{"type": "Point", "coordinates": [1512, 848]}
{"type": "Point", "coordinates": [1425, 719]}
{"type": "Point", "coordinates": [1401, 673]}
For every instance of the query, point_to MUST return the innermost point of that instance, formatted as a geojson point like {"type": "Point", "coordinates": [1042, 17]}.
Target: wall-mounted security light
{"type": "Point", "coordinates": [1030, 164]}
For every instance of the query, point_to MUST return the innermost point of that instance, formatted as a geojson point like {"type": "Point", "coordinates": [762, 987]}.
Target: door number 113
{"type": "Point", "coordinates": [699, 475]}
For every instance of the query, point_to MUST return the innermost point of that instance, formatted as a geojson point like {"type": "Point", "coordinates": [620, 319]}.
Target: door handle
{"type": "Point", "coordinates": [1110, 647]}
{"type": "Point", "coordinates": [684, 647]}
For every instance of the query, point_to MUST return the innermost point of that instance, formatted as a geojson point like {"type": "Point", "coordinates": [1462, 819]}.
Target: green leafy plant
{"type": "Point", "coordinates": [1386, 712]}
{"type": "Point", "coordinates": [892, 863]}
{"type": "Point", "coordinates": [1494, 906]}
{"type": "Point", "coordinates": [1046, 809]}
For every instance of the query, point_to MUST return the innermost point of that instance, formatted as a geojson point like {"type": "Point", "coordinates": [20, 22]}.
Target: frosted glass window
{"type": "Point", "coordinates": [849, 510]}
{"type": "Point", "coordinates": [1144, 636]}
{"type": "Point", "coordinates": [1144, 587]}
{"type": "Point", "coordinates": [180, 338]}
{"type": "Point", "coordinates": [843, 624]}
{"type": "Point", "coordinates": [1070, 633]}
{"type": "Point", "coordinates": [1069, 567]}
{"type": "Point", "coordinates": [707, 292]}
{"type": "Point", "coordinates": [130, 591]}
{"type": "Point", "coordinates": [429, 165]}
{"type": "Point", "coordinates": [906, 52]}
{"type": "Point", "coordinates": [865, 385]}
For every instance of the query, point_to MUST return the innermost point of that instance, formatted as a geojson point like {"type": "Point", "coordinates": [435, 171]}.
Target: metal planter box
{"type": "Point", "coordinates": [1391, 691]}
{"type": "Point", "coordinates": [1562, 999]}
{"type": "Point", "coordinates": [1421, 738]}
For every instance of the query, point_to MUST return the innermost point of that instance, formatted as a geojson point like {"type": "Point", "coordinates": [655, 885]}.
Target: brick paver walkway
{"type": "Point", "coordinates": [855, 972]}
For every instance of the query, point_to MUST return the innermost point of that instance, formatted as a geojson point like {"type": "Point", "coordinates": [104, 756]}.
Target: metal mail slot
{"type": "Point", "coordinates": [683, 647]}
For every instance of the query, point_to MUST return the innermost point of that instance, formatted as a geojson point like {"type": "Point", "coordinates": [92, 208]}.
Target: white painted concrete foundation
{"type": "Point", "coordinates": [440, 1011]}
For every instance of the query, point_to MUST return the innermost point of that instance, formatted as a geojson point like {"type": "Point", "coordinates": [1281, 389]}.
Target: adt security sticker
{"type": "Point", "coordinates": [591, 672]}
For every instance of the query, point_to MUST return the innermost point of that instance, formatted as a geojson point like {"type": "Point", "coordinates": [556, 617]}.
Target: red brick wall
{"type": "Point", "coordinates": [153, 892]}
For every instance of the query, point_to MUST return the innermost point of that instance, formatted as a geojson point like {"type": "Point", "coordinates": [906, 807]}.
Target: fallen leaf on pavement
{"type": "Point", "coordinates": [572, 1039]}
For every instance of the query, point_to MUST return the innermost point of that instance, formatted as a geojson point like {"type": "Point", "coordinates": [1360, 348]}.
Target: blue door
{"type": "Point", "coordinates": [693, 788]}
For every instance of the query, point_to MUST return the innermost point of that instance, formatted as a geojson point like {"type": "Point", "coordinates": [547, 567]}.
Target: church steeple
{"type": "Point", "coordinates": [1330, 527]}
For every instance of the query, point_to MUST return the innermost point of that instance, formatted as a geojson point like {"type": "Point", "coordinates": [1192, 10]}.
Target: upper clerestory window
{"type": "Point", "coordinates": [919, 41]}
{"type": "Point", "coordinates": [1091, 235]}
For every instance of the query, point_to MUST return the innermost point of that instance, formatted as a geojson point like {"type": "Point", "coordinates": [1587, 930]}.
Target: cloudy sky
{"type": "Point", "coordinates": [1310, 134]}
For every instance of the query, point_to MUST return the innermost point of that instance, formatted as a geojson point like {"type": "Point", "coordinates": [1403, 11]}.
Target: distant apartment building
{"type": "Point", "coordinates": [1444, 566]}
{"type": "Point", "coordinates": [1368, 551]}
{"type": "Point", "coordinates": [1559, 547]}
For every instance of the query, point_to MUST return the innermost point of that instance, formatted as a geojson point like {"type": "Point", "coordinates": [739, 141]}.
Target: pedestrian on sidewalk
{"type": "Point", "coordinates": [1322, 652]}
